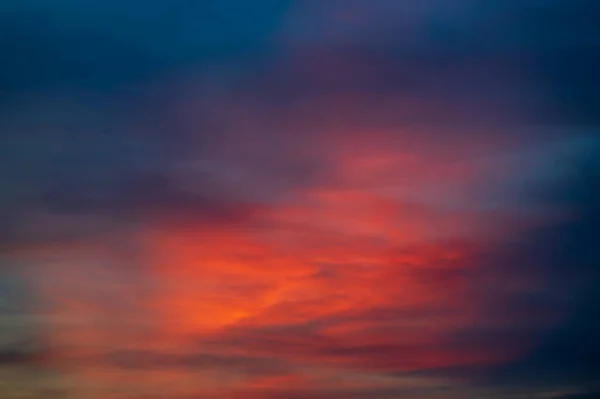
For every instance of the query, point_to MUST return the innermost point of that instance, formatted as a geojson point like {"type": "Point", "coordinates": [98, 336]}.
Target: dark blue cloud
{"type": "Point", "coordinates": [563, 258]}
{"type": "Point", "coordinates": [569, 252]}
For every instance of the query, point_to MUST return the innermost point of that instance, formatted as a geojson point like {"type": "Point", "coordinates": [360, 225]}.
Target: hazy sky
{"type": "Point", "coordinates": [299, 199]}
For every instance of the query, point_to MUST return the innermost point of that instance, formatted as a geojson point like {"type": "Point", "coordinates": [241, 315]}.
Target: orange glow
{"type": "Point", "coordinates": [344, 276]}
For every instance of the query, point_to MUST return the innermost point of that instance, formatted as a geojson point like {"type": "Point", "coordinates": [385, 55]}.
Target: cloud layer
{"type": "Point", "coordinates": [299, 199]}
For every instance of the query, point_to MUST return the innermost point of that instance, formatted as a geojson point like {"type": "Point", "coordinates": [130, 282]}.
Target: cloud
{"type": "Point", "coordinates": [9, 357]}
{"type": "Point", "coordinates": [565, 256]}
{"type": "Point", "coordinates": [342, 206]}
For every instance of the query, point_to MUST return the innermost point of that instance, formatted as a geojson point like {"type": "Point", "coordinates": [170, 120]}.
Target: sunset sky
{"type": "Point", "coordinates": [298, 199]}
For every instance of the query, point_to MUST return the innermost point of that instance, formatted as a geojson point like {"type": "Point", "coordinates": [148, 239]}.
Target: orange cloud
{"type": "Point", "coordinates": [344, 275]}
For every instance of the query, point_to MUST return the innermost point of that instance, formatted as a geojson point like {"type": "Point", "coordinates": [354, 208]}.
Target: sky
{"type": "Point", "coordinates": [299, 199]}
